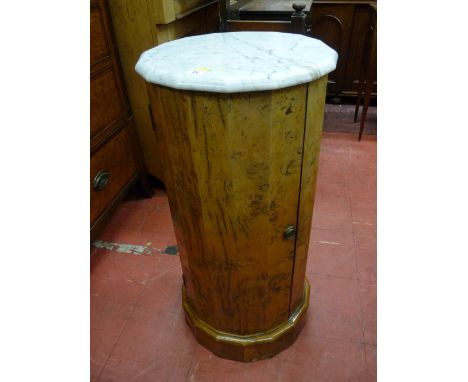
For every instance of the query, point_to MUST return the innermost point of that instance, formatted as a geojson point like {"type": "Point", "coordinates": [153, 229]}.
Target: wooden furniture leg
{"type": "Point", "coordinates": [367, 96]}
{"type": "Point", "coordinates": [369, 64]}
{"type": "Point", "coordinates": [358, 99]}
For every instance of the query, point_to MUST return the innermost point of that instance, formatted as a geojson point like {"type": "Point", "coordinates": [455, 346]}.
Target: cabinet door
{"type": "Point", "coordinates": [233, 179]}
{"type": "Point", "coordinates": [361, 25]}
{"type": "Point", "coordinates": [332, 24]}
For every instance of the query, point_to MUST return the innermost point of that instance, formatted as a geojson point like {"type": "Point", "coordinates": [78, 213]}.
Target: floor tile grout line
{"type": "Point", "coordinates": [133, 306]}
{"type": "Point", "coordinates": [365, 358]}
{"type": "Point", "coordinates": [330, 229]}
{"type": "Point", "coordinates": [116, 342]}
{"type": "Point", "coordinates": [149, 281]}
{"type": "Point", "coordinates": [191, 363]}
{"type": "Point", "coordinates": [359, 288]}
{"type": "Point", "coordinates": [356, 265]}
{"type": "Point", "coordinates": [347, 195]}
{"type": "Point", "coordinates": [143, 283]}
{"type": "Point", "coordinates": [143, 222]}
{"type": "Point", "coordinates": [348, 181]}
{"type": "Point", "coordinates": [340, 340]}
{"type": "Point", "coordinates": [346, 192]}
{"type": "Point", "coordinates": [328, 275]}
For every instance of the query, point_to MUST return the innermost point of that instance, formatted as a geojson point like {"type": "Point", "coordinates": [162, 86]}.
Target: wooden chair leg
{"type": "Point", "coordinates": [362, 75]}
{"type": "Point", "coordinates": [367, 97]}
{"type": "Point", "coordinates": [358, 100]}
{"type": "Point", "coordinates": [370, 67]}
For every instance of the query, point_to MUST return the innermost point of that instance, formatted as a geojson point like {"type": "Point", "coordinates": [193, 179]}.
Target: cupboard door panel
{"type": "Point", "coordinates": [332, 24]}
{"type": "Point", "coordinates": [362, 19]}
{"type": "Point", "coordinates": [233, 166]}
{"type": "Point", "coordinates": [310, 162]}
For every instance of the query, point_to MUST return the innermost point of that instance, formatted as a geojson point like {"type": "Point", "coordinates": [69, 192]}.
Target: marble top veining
{"type": "Point", "coordinates": [237, 62]}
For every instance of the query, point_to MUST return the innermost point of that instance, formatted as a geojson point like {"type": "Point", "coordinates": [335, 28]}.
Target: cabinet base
{"type": "Point", "coordinates": [247, 348]}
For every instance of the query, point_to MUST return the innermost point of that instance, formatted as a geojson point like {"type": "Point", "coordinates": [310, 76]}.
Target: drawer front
{"type": "Point", "coordinates": [166, 11]}
{"type": "Point", "coordinates": [99, 44]}
{"type": "Point", "coordinates": [112, 166]}
{"type": "Point", "coordinates": [106, 102]}
{"type": "Point", "coordinates": [184, 6]}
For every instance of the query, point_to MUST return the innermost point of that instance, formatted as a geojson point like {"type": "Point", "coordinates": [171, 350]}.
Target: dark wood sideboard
{"type": "Point", "coordinates": [115, 162]}
{"type": "Point", "coordinates": [343, 25]}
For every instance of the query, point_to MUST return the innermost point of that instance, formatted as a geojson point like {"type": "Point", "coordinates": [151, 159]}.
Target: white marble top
{"type": "Point", "coordinates": [237, 62]}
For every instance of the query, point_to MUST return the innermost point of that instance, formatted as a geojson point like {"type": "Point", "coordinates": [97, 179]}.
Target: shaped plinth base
{"type": "Point", "coordinates": [247, 348]}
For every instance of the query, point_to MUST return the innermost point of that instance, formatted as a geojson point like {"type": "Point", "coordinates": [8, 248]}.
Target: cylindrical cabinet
{"type": "Point", "coordinates": [238, 118]}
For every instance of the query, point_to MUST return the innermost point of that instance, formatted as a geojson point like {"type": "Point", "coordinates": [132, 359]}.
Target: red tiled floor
{"type": "Point", "coordinates": [208, 367]}
{"type": "Point", "coordinates": [107, 322]}
{"type": "Point", "coordinates": [153, 346]}
{"type": "Point", "coordinates": [333, 166]}
{"type": "Point", "coordinates": [366, 256]}
{"type": "Point", "coordinates": [322, 359]}
{"type": "Point", "coordinates": [361, 177]}
{"type": "Point", "coordinates": [368, 296]}
{"type": "Point", "coordinates": [138, 332]}
{"type": "Point", "coordinates": [332, 212]}
{"type": "Point", "coordinates": [334, 253]}
{"type": "Point", "coordinates": [371, 362]}
{"type": "Point", "coordinates": [164, 292]}
{"type": "Point", "coordinates": [335, 296]}
{"type": "Point", "coordinates": [108, 265]}
{"type": "Point", "coordinates": [143, 221]}
{"type": "Point", "coordinates": [336, 311]}
{"type": "Point", "coordinates": [363, 215]}
{"type": "Point", "coordinates": [123, 292]}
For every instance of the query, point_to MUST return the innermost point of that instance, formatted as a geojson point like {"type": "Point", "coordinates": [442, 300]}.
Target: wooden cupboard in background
{"type": "Point", "coordinates": [343, 25]}
{"type": "Point", "coordinates": [115, 163]}
{"type": "Point", "coordinates": [140, 25]}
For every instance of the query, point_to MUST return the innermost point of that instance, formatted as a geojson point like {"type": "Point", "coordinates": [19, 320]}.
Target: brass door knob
{"type": "Point", "coordinates": [289, 232]}
{"type": "Point", "coordinates": [100, 180]}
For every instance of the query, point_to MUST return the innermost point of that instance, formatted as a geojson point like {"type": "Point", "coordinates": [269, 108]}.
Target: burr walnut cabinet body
{"type": "Point", "coordinates": [240, 171]}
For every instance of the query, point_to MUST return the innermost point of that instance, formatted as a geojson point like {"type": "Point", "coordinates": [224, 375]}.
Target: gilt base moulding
{"type": "Point", "coordinates": [239, 117]}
